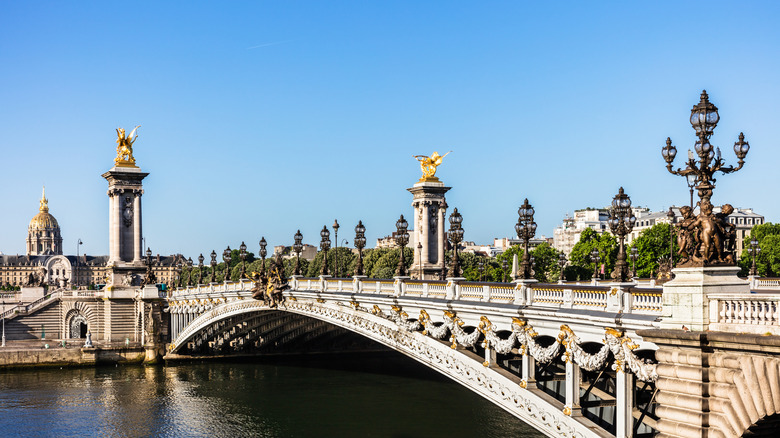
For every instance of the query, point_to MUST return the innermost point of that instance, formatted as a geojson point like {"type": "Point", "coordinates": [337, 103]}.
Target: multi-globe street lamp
{"type": "Point", "coordinates": [455, 236]}
{"type": "Point", "coordinates": [633, 255]}
{"type": "Point", "coordinates": [324, 247]}
{"type": "Point", "coordinates": [704, 118]}
{"type": "Point", "coordinates": [360, 243]}
{"type": "Point", "coordinates": [419, 264]}
{"type": "Point", "coordinates": [621, 222]}
{"type": "Point", "coordinates": [180, 266]}
{"type": "Point", "coordinates": [561, 264]}
{"type": "Point", "coordinates": [526, 229]}
{"type": "Point", "coordinates": [242, 256]}
{"type": "Point", "coordinates": [401, 239]}
{"type": "Point", "coordinates": [336, 252]}
{"type": "Point", "coordinates": [213, 266]}
{"type": "Point", "coordinates": [754, 250]}
{"type": "Point", "coordinates": [595, 258]}
{"type": "Point", "coordinates": [263, 253]}
{"type": "Point", "coordinates": [504, 265]}
{"type": "Point", "coordinates": [297, 248]}
{"type": "Point", "coordinates": [200, 268]}
{"type": "Point", "coordinates": [481, 268]}
{"type": "Point", "coordinates": [226, 259]}
{"type": "Point", "coordinates": [189, 276]}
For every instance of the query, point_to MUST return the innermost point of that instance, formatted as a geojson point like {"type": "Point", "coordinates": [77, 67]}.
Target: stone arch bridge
{"type": "Point", "coordinates": [570, 360]}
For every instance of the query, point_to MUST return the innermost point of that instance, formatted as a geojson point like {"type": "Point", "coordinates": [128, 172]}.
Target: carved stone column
{"type": "Point", "coordinates": [428, 226]}
{"type": "Point", "coordinates": [137, 235]}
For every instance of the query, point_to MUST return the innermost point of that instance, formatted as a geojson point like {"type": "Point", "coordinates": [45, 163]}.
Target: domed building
{"type": "Point", "coordinates": [43, 234]}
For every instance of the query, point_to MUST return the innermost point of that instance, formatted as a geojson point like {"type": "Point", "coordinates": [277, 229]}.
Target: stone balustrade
{"type": "Point", "coordinates": [626, 298]}
{"type": "Point", "coordinates": [756, 313]}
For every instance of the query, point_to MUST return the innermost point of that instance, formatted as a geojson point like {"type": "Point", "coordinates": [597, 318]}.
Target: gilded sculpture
{"type": "Point", "coordinates": [428, 165]}
{"type": "Point", "coordinates": [270, 288]}
{"type": "Point", "coordinates": [124, 149]}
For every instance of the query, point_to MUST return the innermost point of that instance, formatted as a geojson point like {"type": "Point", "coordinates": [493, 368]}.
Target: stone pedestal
{"type": "Point", "coordinates": [685, 302]}
{"type": "Point", "coordinates": [430, 210]}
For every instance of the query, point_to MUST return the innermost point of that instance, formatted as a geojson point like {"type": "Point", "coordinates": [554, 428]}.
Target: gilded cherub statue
{"type": "Point", "coordinates": [429, 165]}
{"type": "Point", "coordinates": [124, 149]}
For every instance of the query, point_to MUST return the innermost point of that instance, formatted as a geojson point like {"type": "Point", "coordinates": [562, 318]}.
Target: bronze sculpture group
{"type": "Point", "coordinates": [270, 287]}
{"type": "Point", "coordinates": [706, 239]}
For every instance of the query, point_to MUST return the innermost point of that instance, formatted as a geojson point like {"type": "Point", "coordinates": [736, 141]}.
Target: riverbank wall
{"type": "Point", "coordinates": [54, 357]}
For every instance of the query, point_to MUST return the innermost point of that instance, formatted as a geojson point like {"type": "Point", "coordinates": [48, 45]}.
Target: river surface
{"type": "Point", "coordinates": [353, 396]}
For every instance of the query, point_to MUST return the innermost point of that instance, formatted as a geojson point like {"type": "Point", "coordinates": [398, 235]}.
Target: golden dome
{"type": "Point", "coordinates": [43, 220]}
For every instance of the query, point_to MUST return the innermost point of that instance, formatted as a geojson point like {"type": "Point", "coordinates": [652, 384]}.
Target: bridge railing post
{"type": "Point", "coordinates": [453, 288]}
{"type": "Point", "coordinates": [486, 293]}
{"type": "Point", "coordinates": [425, 290]}
{"type": "Point", "coordinates": [572, 387]}
{"type": "Point", "coordinates": [624, 404]}
{"type": "Point", "coordinates": [357, 283]}
{"type": "Point", "coordinates": [528, 371]}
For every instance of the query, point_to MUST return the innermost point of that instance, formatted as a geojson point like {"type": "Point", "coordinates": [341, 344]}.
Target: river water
{"type": "Point", "coordinates": [328, 396]}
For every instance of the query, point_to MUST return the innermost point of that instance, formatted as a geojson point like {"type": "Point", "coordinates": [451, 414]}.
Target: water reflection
{"type": "Point", "coordinates": [383, 396]}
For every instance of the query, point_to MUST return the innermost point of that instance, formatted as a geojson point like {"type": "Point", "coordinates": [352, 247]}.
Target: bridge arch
{"type": "Point", "coordinates": [426, 341]}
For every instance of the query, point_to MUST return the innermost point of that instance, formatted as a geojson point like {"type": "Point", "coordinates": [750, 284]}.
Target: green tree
{"type": "Point", "coordinates": [386, 265]}
{"type": "Point", "coordinates": [768, 260]}
{"type": "Point", "coordinates": [581, 267]}
{"type": "Point", "coordinates": [346, 263]}
{"type": "Point", "coordinates": [651, 244]}
{"type": "Point", "coordinates": [546, 268]}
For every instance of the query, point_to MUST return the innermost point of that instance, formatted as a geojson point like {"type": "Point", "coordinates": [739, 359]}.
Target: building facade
{"type": "Point", "coordinates": [568, 234]}
{"type": "Point", "coordinates": [44, 263]}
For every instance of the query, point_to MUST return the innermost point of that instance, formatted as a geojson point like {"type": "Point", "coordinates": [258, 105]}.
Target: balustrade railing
{"type": "Point", "coordinates": [766, 283]}
{"type": "Point", "coordinates": [562, 295]}
{"type": "Point", "coordinates": [756, 313]}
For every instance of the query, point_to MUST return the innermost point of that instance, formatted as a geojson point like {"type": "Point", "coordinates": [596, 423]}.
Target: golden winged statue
{"type": "Point", "coordinates": [429, 165]}
{"type": "Point", "coordinates": [124, 148]}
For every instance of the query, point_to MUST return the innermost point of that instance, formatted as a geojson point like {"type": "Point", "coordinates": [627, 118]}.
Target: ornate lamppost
{"type": "Point", "coordinates": [633, 255]}
{"type": "Point", "coordinates": [707, 250]}
{"type": "Point", "coordinates": [456, 236]}
{"type": "Point", "coordinates": [621, 222]}
{"type": "Point", "coordinates": [401, 239]}
{"type": "Point", "coordinates": [242, 256]}
{"type": "Point", "coordinates": [297, 248]}
{"type": "Point", "coordinates": [336, 254]}
{"type": "Point", "coordinates": [149, 274]}
{"type": "Point", "coordinates": [504, 265]}
{"type": "Point", "coordinates": [226, 259]}
{"type": "Point", "coordinates": [595, 258]}
{"type": "Point", "coordinates": [213, 266]}
{"type": "Point", "coordinates": [561, 264]}
{"type": "Point", "coordinates": [180, 265]}
{"type": "Point", "coordinates": [754, 250]}
{"type": "Point", "coordinates": [419, 264]}
{"type": "Point", "coordinates": [360, 243]}
{"type": "Point", "coordinates": [263, 253]}
{"type": "Point", "coordinates": [526, 229]}
{"type": "Point", "coordinates": [189, 276]}
{"type": "Point", "coordinates": [481, 268]}
{"type": "Point", "coordinates": [324, 247]}
{"type": "Point", "coordinates": [200, 268]}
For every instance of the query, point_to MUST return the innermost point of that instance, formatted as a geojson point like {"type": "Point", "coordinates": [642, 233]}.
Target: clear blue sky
{"type": "Point", "coordinates": [259, 118]}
